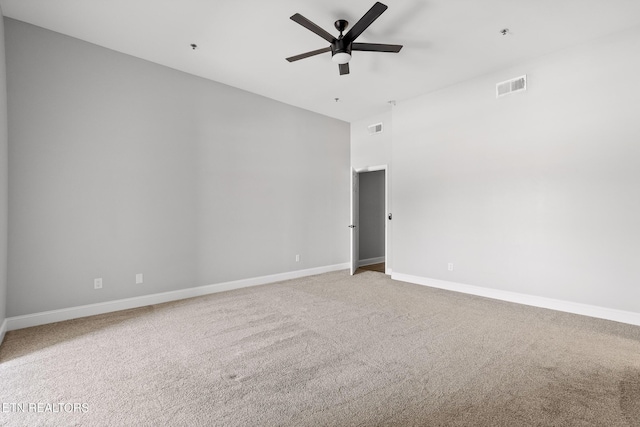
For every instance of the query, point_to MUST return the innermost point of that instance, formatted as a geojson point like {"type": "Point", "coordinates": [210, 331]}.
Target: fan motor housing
{"type": "Point", "coordinates": [340, 46]}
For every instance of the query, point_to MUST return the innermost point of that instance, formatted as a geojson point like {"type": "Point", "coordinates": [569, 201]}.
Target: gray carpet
{"type": "Point", "coordinates": [325, 350]}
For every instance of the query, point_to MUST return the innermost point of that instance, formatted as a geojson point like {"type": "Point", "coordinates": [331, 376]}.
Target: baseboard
{"type": "Point", "coordinates": [370, 261]}
{"type": "Point", "coordinates": [3, 330]}
{"type": "Point", "coordinates": [629, 317]}
{"type": "Point", "coordinates": [45, 317]}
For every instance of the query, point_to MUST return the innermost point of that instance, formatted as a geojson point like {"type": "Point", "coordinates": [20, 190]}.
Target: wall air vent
{"type": "Point", "coordinates": [374, 129]}
{"type": "Point", "coordinates": [511, 86]}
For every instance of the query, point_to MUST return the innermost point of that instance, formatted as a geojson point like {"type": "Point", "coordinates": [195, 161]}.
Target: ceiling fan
{"type": "Point", "coordinates": [342, 46]}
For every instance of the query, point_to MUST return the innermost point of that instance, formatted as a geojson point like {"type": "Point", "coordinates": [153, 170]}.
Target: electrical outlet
{"type": "Point", "coordinates": [139, 279]}
{"type": "Point", "coordinates": [298, 258]}
{"type": "Point", "coordinates": [450, 266]}
{"type": "Point", "coordinates": [97, 283]}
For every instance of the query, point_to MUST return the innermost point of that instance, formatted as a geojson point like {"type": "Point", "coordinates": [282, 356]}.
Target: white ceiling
{"type": "Point", "coordinates": [244, 43]}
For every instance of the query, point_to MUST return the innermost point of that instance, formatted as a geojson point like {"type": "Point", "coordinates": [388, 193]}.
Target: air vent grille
{"type": "Point", "coordinates": [511, 86]}
{"type": "Point", "coordinates": [374, 129]}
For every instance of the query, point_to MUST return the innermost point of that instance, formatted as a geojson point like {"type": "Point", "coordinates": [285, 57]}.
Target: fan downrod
{"type": "Point", "coordinates": [341, 25]}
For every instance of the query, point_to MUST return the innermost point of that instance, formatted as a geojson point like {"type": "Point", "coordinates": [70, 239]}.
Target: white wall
{"type": "Point", "coordinates": [3, 178]}
{"type": "Point", "coordinates": [535, 193]}
{"type": "Point", "coordinates": [120, 166]}
{"type": "Point", "coordinates": [375, 150]}
{"type": "Point", "coordinates": [371, 150]}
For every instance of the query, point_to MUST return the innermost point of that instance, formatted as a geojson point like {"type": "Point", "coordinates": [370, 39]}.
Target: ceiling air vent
{"type": "Point", "coordinates": [373, 129]}
{"type": "Point", "coordinates": [510, 86]}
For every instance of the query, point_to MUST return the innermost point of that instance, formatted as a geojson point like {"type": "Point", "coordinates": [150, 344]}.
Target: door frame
{"type": "Point", "coordinates": [387, 248]}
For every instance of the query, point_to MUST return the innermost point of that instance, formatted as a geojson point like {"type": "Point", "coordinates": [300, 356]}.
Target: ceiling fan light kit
{"type": "Point", "coordinates": [341, 57]}
{"type": "Point", "coordinates": [342, 46]}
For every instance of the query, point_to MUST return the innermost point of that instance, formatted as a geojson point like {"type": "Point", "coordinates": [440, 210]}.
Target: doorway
{"type": "Point", "coordinates": [369, 220]}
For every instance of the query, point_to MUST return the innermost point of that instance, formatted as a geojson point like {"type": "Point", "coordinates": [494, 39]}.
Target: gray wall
{"type": "Point", "coordinates": [3, 175]}
{"type": "Point", "coordinates": [120, 166]}
{"type": "Point", "coordinates": [535, 193]}
{"type": "Point", "coordinates": [371, 214]}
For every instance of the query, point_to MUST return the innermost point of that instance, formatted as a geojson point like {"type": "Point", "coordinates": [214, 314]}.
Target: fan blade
{"type": "Point", "coordinates": [344, 68]}
{"type": "Point", "coordinates": [308, 54]}
{"type": "Point", "coordinates": [313, 27]}
{"type": "Point", "coordinates": [365, 21]}
{"type": "Point", "coordinates": [376, 47]}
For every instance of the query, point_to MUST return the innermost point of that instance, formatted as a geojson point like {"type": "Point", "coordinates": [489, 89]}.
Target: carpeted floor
{"type": "Point", "coordinates": [325, 350]}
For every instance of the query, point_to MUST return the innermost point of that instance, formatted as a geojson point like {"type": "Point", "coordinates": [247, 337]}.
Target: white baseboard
{"type": "Point", "coordinates": [3, 330]}
{"type": "Point", "coordinates": [42, 318]}
{"type": "Point", "coordinates": [629, 317]}
{"type": "Point", "coordinates": [370, 261]}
